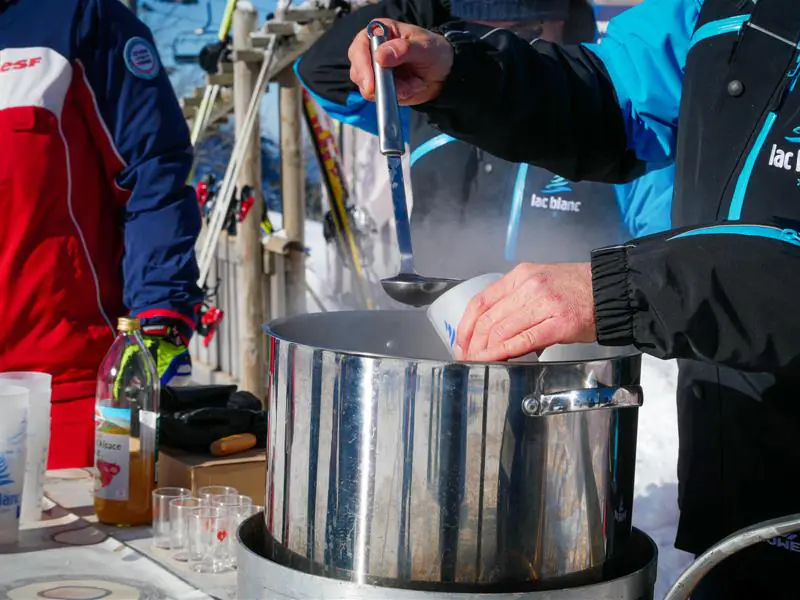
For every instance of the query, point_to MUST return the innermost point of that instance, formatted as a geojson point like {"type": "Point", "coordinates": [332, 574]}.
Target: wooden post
{"type": "Point", "coordinates": [293, 193]}
{"type": "Point", "coordinates": [252, 344]}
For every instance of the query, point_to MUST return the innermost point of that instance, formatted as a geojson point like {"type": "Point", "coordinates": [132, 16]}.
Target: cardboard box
{"type": "Point", "coordinates": [246, 471]}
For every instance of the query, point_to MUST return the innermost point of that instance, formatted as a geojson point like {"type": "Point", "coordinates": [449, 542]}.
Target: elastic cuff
{"type": "Point", "coordinates": [182, 328]}
{"type": "Point", "coordinates": [613, 310]}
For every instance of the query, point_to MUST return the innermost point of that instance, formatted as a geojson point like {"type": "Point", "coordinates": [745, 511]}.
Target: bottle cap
{"type": "Point", "coordinates": [128, 324]}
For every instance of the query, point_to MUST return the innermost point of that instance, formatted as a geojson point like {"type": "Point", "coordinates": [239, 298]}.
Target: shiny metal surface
{"type": "Point", "coordinates": [407, 287]}
{"type": "Point", "coordinates": [631, 577]}
{"type": "Point", "coordinates": [389, 464]}
{"type": "Point", "coordinates": [412, 289]}
{"type": "Point", "coordinates": [736, 542]}
{"type": "Point", "coordinates": [390, 132]}
{"type": "Point", "coordinates": [541, 405]}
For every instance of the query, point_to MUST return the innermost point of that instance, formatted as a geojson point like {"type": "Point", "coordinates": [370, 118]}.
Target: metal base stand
{"type": "Point", "coordinates": [259, 578]}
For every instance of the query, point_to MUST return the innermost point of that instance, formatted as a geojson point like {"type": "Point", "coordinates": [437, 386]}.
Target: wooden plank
{"type": "Point", "coordinates": [225, 79]}
{"type": "Point", "coordinates": [248, 359]}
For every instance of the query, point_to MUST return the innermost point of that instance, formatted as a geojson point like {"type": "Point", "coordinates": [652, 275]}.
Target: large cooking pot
{"type": "Point", "coordinates": [390, 464]}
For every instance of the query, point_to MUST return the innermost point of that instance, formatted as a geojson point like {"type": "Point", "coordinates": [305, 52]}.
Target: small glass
{"type": "Point", "coordinates": [207, 493]}
{"type": "Point", "coordinates": [179, 511]}
{"type": "Point", "coordinates": [238, 513]}
{"type": "Point", "coordinates": [231, 500]}
{"type": "Point", "coordinates": [209, 540]}
{"type": "Point", "coordinates": [161, 499]}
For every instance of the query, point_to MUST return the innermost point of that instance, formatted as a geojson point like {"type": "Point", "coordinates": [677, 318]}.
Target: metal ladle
{"type": "Point", "coordinates": [407, 287]}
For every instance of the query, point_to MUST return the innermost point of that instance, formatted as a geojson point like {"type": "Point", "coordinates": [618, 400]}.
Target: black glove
{"type": "Point", "coordinates": [195, 430]}
{"type": "Point", "coordinates": [174, 399]}
{"type": "Point", "coordinates": [210, 56]}
{"type": "Point", "coordinates": [192, 418]}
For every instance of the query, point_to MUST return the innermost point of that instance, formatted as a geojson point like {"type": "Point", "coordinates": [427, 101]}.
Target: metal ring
{"type": "Point", "coordinates": [373, 25]}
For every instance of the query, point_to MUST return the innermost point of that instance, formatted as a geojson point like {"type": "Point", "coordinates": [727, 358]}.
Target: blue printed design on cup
{"type": "Point", "coordinates": [5, 472]}
{"type": "Point", "coordinates": [451, 334]}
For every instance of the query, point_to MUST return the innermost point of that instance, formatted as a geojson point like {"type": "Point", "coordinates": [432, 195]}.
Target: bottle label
{"type": "Point", "coordinates": [112, 452]}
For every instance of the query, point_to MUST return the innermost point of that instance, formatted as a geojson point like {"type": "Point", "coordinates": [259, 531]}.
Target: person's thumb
{"type": "Point", "coordinates": [393, 53]}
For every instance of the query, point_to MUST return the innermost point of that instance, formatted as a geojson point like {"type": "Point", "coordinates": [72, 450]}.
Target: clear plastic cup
{"type": "Point", "coordinates": [161, 515]}
{"type": "Point", "coordinates": [206, 494]}
{"type": "Point", "coordinates": [209, 540]}
{"type": "Point", "coordinates": [39, 386]}
{"type": "Point", "coordinates": [179, 511]}
{"type": "Point", "coordinates": [446, 312]}
{"type": "Point", "coordinates": [14, 402]}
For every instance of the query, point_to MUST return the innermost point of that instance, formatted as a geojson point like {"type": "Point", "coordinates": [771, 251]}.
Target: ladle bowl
{"type": "Point", "coordinates": [415, 290]}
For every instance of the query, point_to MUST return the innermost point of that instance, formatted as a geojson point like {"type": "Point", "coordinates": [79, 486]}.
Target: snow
{"type": "Point", "coordinates": [655, 508]}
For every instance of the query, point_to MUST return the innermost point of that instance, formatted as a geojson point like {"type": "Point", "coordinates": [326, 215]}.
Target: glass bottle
{"type": "Point", "coordinates": [126, 430]}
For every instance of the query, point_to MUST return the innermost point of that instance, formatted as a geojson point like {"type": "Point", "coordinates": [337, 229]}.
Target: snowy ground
{"type": "Point", "coordinates": [655, 508]}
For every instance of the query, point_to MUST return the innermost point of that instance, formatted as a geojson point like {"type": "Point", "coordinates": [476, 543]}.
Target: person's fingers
{"type": "Point", "coordinates": [507, 327]}
{"type": "Point", "coordinates": [361, 65]}
{"type": "Point", "coordinates": [514, 304]}
{"type": "Point", "coordinates": [476, 307]}
{"type": "Point", "coordinates": [410, 90]}
{"type": "Point", "coordinates": [536, 338]}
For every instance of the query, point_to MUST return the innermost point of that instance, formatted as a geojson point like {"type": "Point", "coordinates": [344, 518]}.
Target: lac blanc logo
{"type": "Point", "coordinates": [557, 185]}
{"type": "Point", "coordinates": [451, 334]}
{"type": "Point", "coordinates": [787, 159]}
{"type": "Point", "coordinates": [141, 58]}
{"type": "Point", "coordinates": [550, 197]}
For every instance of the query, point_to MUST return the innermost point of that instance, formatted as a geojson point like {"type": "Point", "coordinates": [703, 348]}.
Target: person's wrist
{"type": "Point", "coordinates": [173, 332]}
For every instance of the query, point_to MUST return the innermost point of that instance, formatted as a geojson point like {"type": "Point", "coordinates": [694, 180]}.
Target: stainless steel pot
{"type": "Point", "coordinates": [390, 464]}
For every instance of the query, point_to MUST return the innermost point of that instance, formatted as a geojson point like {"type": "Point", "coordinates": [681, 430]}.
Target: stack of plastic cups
{"type": "Point", "coordinates": [13, 430]}
{"type": "Point", "coordinates": [38, 438]}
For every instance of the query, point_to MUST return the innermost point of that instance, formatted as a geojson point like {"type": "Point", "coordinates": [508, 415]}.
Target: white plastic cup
{"type": "Point", "coordinates": [446, 312]}
{"type": "Point", "coordinates": [39, 386]}
{"type": "Point", "coordinates": [14, 401]}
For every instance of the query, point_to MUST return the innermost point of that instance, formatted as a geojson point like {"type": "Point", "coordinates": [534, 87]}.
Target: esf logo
{"type": "Point", "coordinates": [18, 65]}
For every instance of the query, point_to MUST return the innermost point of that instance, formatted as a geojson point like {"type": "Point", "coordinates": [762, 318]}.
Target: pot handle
{"type": "Point", "coordinates": [540, 405]}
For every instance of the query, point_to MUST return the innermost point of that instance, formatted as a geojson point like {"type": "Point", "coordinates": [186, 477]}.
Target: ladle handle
{"type": "Point", "coordinates": [390, 132]}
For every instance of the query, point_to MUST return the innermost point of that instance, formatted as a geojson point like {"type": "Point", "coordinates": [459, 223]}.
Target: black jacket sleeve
{"type": "Point", "coordinates": [723, 293]}
{"type": "Point", "coordinates": [325, 68]}
{"type": "Point", "coordinates": [562, 97]}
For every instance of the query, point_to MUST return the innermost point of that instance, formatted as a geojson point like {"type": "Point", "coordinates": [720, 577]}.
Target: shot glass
{"type": "Point", "coordinates": [161, 517]}
{"type": "Point", "coordinates": [179, 511]}
{"type": "Point", "coordinates": [206, 494]}
{"type": "Point", "coordinates": [209, 540]}
{"type": "Point", "coordinates": [238, 508]}
{"type": "Point", "coordinates": [232, 500]}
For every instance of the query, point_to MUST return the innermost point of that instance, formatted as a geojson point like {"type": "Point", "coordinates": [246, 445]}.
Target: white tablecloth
{"type": "Point", "coordinates": [69, 556]}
